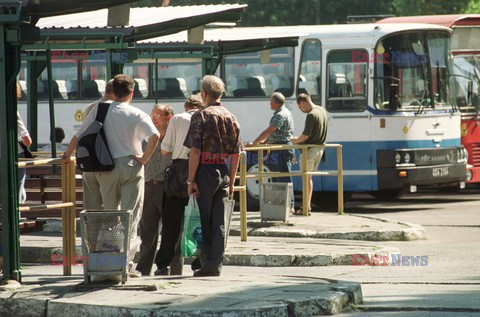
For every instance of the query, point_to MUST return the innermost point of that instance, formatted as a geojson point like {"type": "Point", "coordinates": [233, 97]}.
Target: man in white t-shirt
{"type": "Point", "coordinates": [168, 258]}
{"type": "Point", "coordinates": [125, 127]}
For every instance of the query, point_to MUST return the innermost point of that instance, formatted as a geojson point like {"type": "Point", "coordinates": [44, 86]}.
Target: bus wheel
{"type": "Point", "coordinates": [328, 201]}
{"type": "Point", "coordinates": [253, 189]}
{"type": "Point", "coordinates": [387, 194]}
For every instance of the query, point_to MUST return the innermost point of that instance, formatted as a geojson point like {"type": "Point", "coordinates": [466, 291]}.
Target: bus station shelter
{"type": "Point", "coordinates": [117, 30]}
{"type": "Point", "coordinates": [19, 33]}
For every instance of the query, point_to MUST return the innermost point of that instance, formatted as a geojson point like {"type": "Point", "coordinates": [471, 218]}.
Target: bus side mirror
{"type": "Point", "coordinates": [393, 100]}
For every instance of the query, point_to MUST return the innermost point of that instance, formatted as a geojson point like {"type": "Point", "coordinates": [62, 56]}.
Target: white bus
{"type": "Point", "coordinates": [398, 129]}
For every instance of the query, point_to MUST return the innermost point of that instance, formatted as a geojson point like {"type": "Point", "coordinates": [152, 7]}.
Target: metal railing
{"type": "Point", "coordinates": [242, 189]}
{"type": "Point", "coordinates": [67, 205]}
{"type": "Point", "coordinates": [302, 173]}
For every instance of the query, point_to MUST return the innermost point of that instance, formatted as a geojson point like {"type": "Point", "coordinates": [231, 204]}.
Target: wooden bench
{"type": "Point", "coordinates": [44, 185]}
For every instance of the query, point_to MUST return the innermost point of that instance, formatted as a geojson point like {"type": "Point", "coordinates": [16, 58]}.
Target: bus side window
{"type": "Point", "coordinates": [62, 88]}
{"type": "Point", "coordinates": [169, 88]}
{"type": "Point", "coordinates": [72, 89]}
{"type": "Point", "coordinates": [282, 84]}
{"type": "Point", "coordinates": [309, 79]}
{"type": "Point", "coordinates": [90, 89]}
{"type": "Point", "coordinates": [346, 81]}
{"type": "Point", "coordinates": [239, 86]}
{"type": "Point", "coordinates": [193, 85]}
{"type": "Point", "coordinates": [23, 85]}
{"type": "Point", "coordinates": [246, 75]}
{"type": "Point", "coordinates": [141, 88]}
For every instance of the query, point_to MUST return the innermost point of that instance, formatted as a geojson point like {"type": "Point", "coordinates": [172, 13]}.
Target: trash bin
{"type": "Point", "coordinates": [105, 242]}
{"type": "Point", "coordinates": [276, 201]}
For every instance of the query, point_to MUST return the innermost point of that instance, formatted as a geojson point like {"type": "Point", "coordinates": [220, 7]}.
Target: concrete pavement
{"type": "Point", "coordinates": [298, 243]}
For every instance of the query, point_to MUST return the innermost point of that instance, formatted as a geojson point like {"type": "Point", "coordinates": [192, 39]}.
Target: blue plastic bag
{"type": "Point", "coordinates": [191, 242]}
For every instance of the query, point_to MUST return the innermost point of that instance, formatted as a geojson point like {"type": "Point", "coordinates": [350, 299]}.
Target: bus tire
{"type": "Point", "coordinates": [328, 201]}
{"type": "Point", "coordinates": [387, 194]}
{"type": "Point", "coordinates": [253, 190]}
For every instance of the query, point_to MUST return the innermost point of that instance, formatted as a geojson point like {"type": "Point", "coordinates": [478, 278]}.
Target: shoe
{"type": "Point", "coordinates": [134, 273]}
{"type": "Point", "coordinates": [196, 265]}
{"type": "Point", "coordinates": [299, 212]}
{"type": "Point", "coordinates": [202, 272]}
{"type": "Point", "coordinates": [162, 271]}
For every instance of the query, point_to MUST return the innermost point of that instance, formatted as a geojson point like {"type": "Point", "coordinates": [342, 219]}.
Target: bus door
{"type": "Point", "coordinates": [309, 82]}
{"type": "Point", "coordinates": [346, 104]}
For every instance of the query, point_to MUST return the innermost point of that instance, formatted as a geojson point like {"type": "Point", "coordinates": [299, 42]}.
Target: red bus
{"type": "Point", "coordinates": [465, 80]}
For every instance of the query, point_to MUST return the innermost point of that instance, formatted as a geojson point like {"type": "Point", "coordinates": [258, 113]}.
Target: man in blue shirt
{"type": "Point", "coordinates": [279, 131]}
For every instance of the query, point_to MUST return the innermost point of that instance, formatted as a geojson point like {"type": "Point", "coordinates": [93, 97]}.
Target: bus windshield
{"type": "Point", "coordinates": [411, 72]}
{"type": "Point", "coordinates": [465, 82]}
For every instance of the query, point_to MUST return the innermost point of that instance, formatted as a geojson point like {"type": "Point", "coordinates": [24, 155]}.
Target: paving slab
{"type": "Point", "coordinates": [46, 293]}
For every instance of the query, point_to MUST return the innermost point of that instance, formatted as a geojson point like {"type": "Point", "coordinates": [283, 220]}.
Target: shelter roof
{"type": "Point", "coordinates": [144, 23]}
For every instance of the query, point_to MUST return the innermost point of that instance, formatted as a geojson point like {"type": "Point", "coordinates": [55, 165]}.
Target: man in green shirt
{"type": "Point", "coordinates": [315, 132]}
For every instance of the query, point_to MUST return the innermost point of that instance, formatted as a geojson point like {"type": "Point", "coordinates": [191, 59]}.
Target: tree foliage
{"type": "Point", "coordinates": [296, 12]}
{"type": "Point", "coordinates": [473, 6]}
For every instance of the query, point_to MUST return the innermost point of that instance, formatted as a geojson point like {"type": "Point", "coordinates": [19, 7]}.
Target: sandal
{"type": "Point", "coordinates": [299, 212]}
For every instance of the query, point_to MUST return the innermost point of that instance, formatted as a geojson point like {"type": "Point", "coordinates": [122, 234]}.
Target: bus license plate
{"type": "Point", "coordinates": [440, 171]}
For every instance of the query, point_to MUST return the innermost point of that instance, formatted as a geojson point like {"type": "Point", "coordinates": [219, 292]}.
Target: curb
{"type": "Point", "coordinates": [44, 256]}
{"type": "Point", "coordinates": [412, 232]}
{"type": "Point", "coordinates": [282, 260]}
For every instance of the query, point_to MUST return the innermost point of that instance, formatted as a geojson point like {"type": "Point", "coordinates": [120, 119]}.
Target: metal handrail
{"type": "Point", "coordinates": [242, 188]}
{"type": "Point", "coordinates": [303, 173]}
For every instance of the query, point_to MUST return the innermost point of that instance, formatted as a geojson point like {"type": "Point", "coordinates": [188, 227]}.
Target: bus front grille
{"type": "Point", "coordinates": [476, 154]}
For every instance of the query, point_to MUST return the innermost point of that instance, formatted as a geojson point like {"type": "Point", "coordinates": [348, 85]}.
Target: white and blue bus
{"type": "Point", "coordinates": [385, 89]}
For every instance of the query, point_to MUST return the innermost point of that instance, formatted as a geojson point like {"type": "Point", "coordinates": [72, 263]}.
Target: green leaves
{"type": "Point", "coordinates": [296, 12]}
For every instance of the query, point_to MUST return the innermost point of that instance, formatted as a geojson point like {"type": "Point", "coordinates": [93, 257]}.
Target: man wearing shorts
{"type": "Point", "coordinates": [315, 132]}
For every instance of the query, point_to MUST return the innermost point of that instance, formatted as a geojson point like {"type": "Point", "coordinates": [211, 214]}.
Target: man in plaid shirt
{"type": "Point", "coordinates": [279, 131]}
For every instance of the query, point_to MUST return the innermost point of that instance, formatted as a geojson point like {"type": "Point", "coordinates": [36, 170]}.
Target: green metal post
{"type": "Point", "coordinates": [51, 106]}
{"type": "Point", "coordinates": [34, 69]}
{"type": "Point", "coordinates": [9, 67]}
{"type": "Point", "coordinates": [113, 68]}
{"type": "Point", "coordinates": [156, 80]}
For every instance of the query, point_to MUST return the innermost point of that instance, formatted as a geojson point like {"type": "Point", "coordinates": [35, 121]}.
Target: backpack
{"type": "Point", "coordinates": [93, 154]}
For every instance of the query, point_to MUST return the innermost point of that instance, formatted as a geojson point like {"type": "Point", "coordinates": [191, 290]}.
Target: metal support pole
{"type": "Point", "coordinates": [9, 67]}
{"type": "Point", "coordinates": [340, 180]}
{"type": "Point", "coordinates": [155, 83]}
{"type": "Point", "coordinates": [260, 178]}
{"type": "Point", "coordinates": [51, 106]}
{"type": "Point", "coordinates": [243, 196]}
{"type": "Point", "coordinates": [113, 68]}
{"type": "Point", "coordinates": [34, 69]}
{"type": "Point", "coordinates": [305, 182]}
{"type": "Point", "coordinates": [68, 215]}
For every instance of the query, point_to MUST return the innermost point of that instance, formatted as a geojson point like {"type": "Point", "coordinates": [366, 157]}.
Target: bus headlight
{"type": "Point", "coordinates": [462, 155]}
{"type": "Point", "coordinates": [469, 175]}
{"type": "Point", "coordinates": [407, 158]}
{"type": "Point", "coordinates": [398, 158]}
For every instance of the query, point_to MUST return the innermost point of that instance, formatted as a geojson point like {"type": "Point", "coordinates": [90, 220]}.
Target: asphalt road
{"type": "Point", "coordinates": [448, 286]}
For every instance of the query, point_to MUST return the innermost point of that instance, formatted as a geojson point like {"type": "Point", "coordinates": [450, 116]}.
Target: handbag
{"type": "Point", "coordinates": [26, 151]}
{"type": "Point", "coordinates": [175, 179]}
{"type": "Point", "coordinates": [191, 241]}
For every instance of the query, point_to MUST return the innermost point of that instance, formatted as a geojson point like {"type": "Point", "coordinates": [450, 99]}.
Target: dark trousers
{"type": "Point", "coordinates": [169, 252]}
{"type": "Point", "coordinates": [150, 224]}
{"type": "Point", "coordinates": [212, 180]}
{"type": "Point", "coordinates": [281, 161]}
